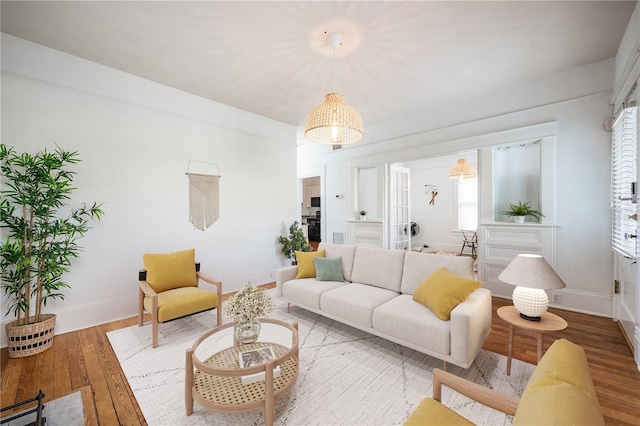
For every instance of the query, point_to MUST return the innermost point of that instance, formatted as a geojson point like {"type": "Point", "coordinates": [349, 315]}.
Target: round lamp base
{"type": "Point", "coordinates": [528, 318]}
{"type": "Point", "coordinates": [530, 302]}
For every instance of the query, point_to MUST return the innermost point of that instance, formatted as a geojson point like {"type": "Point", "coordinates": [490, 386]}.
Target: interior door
{"type": "Point", "coordinates": [399, 211]}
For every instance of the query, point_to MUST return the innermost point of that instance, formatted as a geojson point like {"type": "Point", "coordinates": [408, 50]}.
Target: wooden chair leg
{"type": "Point", "coordinates": [188, 382]}
{"type": "Point", "coordinates": [219, 309]}
{"type": "Point", "coordinates": [154, 320]}
{"type": "Point", "coordinates": [140, 307]}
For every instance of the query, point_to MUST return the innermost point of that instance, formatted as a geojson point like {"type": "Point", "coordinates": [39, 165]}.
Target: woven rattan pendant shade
{"type": "Point", "coordinates": [334, 122]}
{"type": "Point", "coordinates": [462, 170]}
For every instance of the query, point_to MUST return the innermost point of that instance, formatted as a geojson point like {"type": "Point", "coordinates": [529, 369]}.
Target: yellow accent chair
{"type": "Point", "coordinates": [559, 392]}
{"type": "Point", "coordinates": [168, 289]}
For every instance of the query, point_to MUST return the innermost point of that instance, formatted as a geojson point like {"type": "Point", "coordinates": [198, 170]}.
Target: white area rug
{"type": "Point", "coordinates": [347, 376]}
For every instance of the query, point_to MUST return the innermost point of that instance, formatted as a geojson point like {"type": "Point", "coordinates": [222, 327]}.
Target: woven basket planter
{"type": "Point", "coordinates": [30, 339]}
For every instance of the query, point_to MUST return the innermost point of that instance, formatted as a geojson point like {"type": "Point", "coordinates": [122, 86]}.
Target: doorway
{"type": "Point", "coordinates": [311, 209]}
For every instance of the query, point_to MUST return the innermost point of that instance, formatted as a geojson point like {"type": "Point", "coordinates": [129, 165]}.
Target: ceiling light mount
{"type": "Point", "coordinates": [334, 122]}
{"type": "Point", "coordinates": [334, 39]}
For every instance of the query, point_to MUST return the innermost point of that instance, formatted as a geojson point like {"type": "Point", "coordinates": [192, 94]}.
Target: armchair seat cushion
{"type": "Point", "coordinates": [432, 412]}
{"type": "Point", "coordinates": [182, 301]}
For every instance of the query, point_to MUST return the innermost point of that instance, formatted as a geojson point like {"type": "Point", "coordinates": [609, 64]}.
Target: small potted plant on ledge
{"type": "Point", "coordinates": [520, 211]}
{"type": "Point", "coordinates": [363, 215]}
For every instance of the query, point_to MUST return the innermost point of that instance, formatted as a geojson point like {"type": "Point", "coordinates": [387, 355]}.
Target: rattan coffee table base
{"type": "Point", "coordinates": [216, 383]}
{"type": "Point", "coordinates": [229, 392]}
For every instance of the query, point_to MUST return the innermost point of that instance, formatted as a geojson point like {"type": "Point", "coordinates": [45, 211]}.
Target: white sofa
{"type": "Point", "coordinates": [377, 297]}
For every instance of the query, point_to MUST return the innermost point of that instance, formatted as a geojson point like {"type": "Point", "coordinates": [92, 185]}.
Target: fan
{"type": "Point", "coordinates": [415, 229]}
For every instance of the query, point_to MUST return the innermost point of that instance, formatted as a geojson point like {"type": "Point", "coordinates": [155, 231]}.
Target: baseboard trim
{"type": "Point", "coordinates": [570, 300]}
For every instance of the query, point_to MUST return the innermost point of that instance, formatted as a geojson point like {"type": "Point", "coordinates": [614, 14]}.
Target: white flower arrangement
{"type": "Point", "coordinates": [249, 303]}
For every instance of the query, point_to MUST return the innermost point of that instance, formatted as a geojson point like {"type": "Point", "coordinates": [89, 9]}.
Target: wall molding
{"type": "Point", "coordinates": [138, 105]}
{"type": "Point", "coordinates": [570, 300]}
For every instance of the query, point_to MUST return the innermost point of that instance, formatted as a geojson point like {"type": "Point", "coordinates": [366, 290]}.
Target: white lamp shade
{"type": "Point", "coordinates": [531, 270]}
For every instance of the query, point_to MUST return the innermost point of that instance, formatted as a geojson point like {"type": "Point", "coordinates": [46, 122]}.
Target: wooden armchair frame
{"type": "Point", "coordinates": [144, 289]}
{"type": "Point", "coordinates": [485, 396]}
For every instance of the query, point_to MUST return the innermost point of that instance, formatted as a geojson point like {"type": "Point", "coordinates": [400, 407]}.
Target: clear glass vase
{"type": "Point", "coordinates": [247, 330]}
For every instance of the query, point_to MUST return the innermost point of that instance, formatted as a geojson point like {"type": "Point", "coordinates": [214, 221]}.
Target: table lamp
{"type": "Point", "coordinates": [531, 275]}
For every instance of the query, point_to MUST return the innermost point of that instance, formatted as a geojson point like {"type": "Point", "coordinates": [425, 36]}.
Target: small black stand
{"type": "Point", "coordinates": [40, 419]}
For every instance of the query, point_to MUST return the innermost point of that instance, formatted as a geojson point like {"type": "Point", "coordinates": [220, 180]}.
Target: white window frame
{"type": "Point", "coordinates": [460, 203]}
{"type": "Point", "coordinates": [623, 175]}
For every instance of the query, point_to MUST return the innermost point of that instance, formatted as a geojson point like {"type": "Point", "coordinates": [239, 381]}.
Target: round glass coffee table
{"type": "Point", "coordinates": [216, 382]}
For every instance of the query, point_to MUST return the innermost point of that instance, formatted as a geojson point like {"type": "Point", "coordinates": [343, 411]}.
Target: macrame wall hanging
{"type": "Point", "coordinates": [204, 195]}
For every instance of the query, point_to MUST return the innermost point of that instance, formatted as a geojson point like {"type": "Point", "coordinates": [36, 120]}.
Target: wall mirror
{"type": "Point", "coordinates": [516, 177]}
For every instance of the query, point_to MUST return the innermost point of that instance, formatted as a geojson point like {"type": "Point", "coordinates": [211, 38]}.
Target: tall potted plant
{"type": "Point", "coordinates": [296, 241]}
{"type": "Point", "coordinates": [42, 235]}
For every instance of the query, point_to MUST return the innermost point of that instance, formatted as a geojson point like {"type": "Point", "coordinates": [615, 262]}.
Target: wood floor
{"type": "Point", "coordinates": [84, 360]}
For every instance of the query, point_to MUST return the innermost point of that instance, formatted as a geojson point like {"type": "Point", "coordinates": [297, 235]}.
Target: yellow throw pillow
{"type": "Point", "coordinates": [443, 291]}
{"type": "Point", "coordinates": [306, 266]}
{"type": "Point", "coordinates": [171, 270]}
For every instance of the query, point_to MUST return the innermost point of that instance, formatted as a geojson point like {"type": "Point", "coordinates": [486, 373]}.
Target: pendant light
{"type": "Point", "coordinates": [334, 122]}
{"type": "Point", "coordinates": [462, 170]}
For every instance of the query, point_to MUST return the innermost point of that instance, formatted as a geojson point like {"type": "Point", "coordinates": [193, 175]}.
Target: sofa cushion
{"type": "Point", "coordinates": [346, 252]}
{"type": "Point", "coordinates": [306, 266]}
{"type": "Point", "coordinates": [307, 291]}
{"type": "Point", "coordinates": [166, 271]}
{"type": "Point", "coordinates": [408, 320]}
{"type": "Point", "coordinates": [443, 291]}
{"type": "Point", "coordinates": [355, 302]}
{"type": "Point", "coordinates": [560, 391]}
{"type": "Point", "coordinates": [378, 267]}
{"type": "Point", "coordinates": [418, 266]}
{"type": "Point", "coordinates": [328, 268]}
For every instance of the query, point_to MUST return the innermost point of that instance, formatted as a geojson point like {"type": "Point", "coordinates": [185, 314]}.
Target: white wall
{"type": "Point", "coordinates": [577, 100]}
{"type": "Point", "coordinates": [135, 139]}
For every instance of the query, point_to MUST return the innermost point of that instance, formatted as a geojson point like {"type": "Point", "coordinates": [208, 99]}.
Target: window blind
{"type": "Point", "coordinates": [623, 174]}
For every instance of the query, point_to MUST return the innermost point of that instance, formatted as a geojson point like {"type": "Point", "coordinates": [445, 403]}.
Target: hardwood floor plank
{"type": "Point", "coordinates": [11, 371]}
{"type": "Point", "coordinates": [102, 397]}
{"type": "Point", "coordinates": [121, 395]}
{"type": "Point", "coordinates": [89, 407]}
{"type": "Point", "coordinates": [61, 365]}
{"type": "Point", "coordinates": [45, 374]}
{"type": "Point", "coordinates": [93, 367]}
{"type": "Point", "coordinates": [77, 365]}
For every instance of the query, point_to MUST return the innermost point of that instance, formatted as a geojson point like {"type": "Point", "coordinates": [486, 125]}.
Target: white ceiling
{"type": "Point", "coordinates": [271, 58]}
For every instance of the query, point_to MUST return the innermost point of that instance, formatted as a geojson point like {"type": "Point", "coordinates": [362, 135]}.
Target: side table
{"type": "Point", "coordinates": [548, 322]}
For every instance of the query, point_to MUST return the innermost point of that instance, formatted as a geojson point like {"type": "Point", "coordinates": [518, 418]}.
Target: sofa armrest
{"type": "Point", "coordinates": [470, 325]}
{"type": "Point", "coordinates": [283, 275]}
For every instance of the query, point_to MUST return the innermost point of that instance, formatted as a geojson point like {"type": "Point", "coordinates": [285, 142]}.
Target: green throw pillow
{"type": "Point", "coordinates": [328, 268]}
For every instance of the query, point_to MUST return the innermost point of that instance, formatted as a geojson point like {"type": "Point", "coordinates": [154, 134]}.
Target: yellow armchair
{"type": "Point", "coordinates": [559, 392]}
{"type": "Point", "coordinates": [168, 289]}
